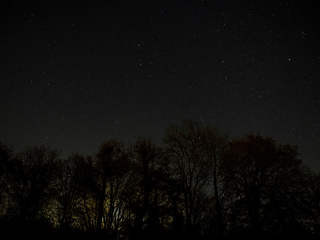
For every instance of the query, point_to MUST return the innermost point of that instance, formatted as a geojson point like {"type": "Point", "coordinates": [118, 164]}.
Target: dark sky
{"type": "Point", "coordinates": [74, 74]}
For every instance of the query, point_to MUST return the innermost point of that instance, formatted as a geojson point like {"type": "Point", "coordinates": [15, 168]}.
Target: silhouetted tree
{"type": "Point", "coordinates": [86, 210]}
{"type": "Point", "coordinates": [308, 200]}
{"type": "Point", "coordinates": [110, 166]}
{"type": "Point", "coordinates": [260, 172]}
{"type": "Point", "coordinates": [184, 148]}
{"type": "Point", "coordinates": [32, 182]}
{"type": "Point", "coordinates": [72, 183]}
{"type": "Point", "coordinates": [148, 168]}
{"type": "Point", "coordinates": [200, 184]}
{"type": "Point", "coordinates": [214, 142]}
{"type": "Point", "coordinates": [172, 201]}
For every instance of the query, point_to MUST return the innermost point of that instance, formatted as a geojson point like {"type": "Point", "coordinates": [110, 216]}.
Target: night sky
{"type": "Point", "coordinates": [74, 74]}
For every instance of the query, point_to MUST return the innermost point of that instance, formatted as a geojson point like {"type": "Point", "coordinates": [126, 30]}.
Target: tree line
{"type": "Point", "coordinates": [199, 184]}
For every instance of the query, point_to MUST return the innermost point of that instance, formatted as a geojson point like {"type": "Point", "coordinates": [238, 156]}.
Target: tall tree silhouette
{"type": "Point", "coordinates": [260, 170]}
{"type": "Point", "coordinates": [72, 183]}
{"type": "Point", "coordinates": [147, 164]}
{"type": "Point", "coordinates": [183, 144]}
{"type": "Point", "coordinates": [110, 164]}
{"type": "Point", "coordinates": [33, 181]}
{"type": "Point", "coordinates": [214, 142]}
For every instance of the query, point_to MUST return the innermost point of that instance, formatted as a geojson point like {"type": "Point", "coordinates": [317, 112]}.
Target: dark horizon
{"type": "Point", "coordinates": [128, 142]}
{"type": "Point", "coordinates": [200, 185]}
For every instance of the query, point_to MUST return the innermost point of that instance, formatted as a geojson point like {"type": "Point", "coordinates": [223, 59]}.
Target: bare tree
{"type": "Point", "coordinates": [214, 143]}
{"type": "Point", "coordinates": [308, 201]}
{"type": "Point", "coordinates": [111, 165]}
{"type": "Point", "coordinates": [149, 171]}
{"type": "Point", "coordinates": [74, 178]}
{"type": "Point", "coordinates": [184, 147]}
{"type": "Point", "coordinates": [33, 181]}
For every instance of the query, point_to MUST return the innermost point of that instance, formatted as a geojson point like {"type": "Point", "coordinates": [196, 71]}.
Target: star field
{"type": "Point", "coordinates": [76, 74]}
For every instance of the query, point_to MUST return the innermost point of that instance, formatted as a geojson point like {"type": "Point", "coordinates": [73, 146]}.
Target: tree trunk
{"type": "Point", "coordinates": [111, 208]}
{"type": "Point", "coordinates": [218, 207]}
{"type": "Point", "coordinates": [102, 197]}
{"type": "Point", "coordinates": [254, 216]}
